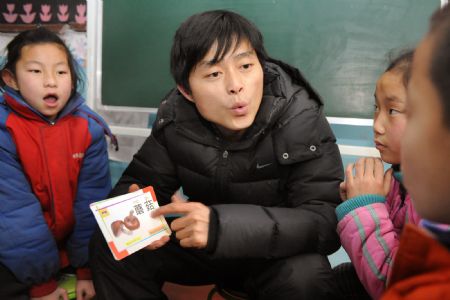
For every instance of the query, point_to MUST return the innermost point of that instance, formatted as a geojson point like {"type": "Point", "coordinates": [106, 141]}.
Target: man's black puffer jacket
{"type": "Point", "coordinates": [273, 193]}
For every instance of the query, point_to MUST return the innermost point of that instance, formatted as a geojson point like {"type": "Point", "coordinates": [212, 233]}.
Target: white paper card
{"type": "Point", "coordinates": [126, 221]}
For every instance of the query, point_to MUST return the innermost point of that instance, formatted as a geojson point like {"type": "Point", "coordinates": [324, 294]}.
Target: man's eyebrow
{"type": "Point", "coordinates": [244, 54]}
{"type": "Point", "coordinates": [208, 63]}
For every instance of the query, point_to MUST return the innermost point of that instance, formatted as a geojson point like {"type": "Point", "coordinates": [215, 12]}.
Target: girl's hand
{"type": "Point", "coordinates": [57, 294]}
{"type": "Point", "coordinates": [343, 191]}
{"type": "Point", "coordinates": [369, 178]}
{"type": "Point", "coordinates": [85, 290]}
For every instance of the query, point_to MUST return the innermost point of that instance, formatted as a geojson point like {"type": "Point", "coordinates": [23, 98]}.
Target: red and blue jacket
{"type": "Point", "coordinates": [50, 172]}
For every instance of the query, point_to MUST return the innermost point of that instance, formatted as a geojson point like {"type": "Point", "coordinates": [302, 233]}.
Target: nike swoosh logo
{"type": "Point", "coordinates": [258, 166]}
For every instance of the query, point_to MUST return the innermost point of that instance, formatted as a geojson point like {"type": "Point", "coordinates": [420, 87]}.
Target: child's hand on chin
{"type": "Point", "coordinates": [369, 178]}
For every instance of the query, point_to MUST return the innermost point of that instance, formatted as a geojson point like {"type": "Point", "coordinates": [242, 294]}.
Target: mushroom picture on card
{"type": "Point", "coordinates": [126, 226]}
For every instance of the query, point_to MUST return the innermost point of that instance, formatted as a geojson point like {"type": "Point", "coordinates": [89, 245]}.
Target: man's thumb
{"type": "Point", "coordinates": [133, 188]}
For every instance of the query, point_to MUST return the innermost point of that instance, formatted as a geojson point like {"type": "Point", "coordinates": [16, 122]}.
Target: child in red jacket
{"type": "Point", "coordinates": [53, 164]}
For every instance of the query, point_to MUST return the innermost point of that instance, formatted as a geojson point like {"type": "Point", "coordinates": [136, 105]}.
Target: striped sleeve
{"type": "Point", "coordinates": [368, 236]}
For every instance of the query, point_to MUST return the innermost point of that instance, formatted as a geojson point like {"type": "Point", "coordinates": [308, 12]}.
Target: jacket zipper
{"type": "Point", "coordinates": [222, 176]}
{"type": "Point", "coordinates": [52, 201]}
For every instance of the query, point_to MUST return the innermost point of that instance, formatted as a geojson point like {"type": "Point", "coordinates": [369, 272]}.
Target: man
{"type": "Point", "coordinates": [246, 139]}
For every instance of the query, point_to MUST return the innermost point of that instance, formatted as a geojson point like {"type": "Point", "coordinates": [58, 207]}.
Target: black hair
{"type": "Point", "coordinates": [39, 35]}
{"type": "Point", "coordinates": [440, 61]}
{"type": "Point", "coordinates": [401, 62]}
{"type": "Point", "coordinates": [195, 37]}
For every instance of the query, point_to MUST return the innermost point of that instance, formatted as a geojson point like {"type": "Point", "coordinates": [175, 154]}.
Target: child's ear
{"type": "Point", "coordinates": [9, 78]}
{"type": "Point", "coordinates": [185, 93]}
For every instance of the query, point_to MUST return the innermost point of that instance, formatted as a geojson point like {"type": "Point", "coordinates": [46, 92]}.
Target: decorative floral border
{"type": "Point", "coordinates": [19, 15]}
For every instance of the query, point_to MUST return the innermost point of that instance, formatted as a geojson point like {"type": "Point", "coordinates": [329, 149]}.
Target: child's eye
{"type": "Point", "coordinates": [62, 72]}
{"type": "Point", "coordinates": [375, 108]}
{"type": "Point", "coordinates": [394, 111]}
{"type": "Point", "coordinates": [34, 71]}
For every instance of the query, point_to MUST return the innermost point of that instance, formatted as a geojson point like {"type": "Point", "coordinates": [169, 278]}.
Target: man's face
{"type": "Point", "coordinates": [426, 143]}
{"type": "Point", "coordinates": [228, 93]}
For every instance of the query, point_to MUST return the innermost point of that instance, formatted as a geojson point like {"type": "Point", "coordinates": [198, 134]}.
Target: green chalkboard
{"type": "Point", "coordinates": [339, 45]}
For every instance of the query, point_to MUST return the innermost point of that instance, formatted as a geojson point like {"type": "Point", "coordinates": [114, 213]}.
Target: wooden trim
{"type": "Point", "coordinates": [53, 27]}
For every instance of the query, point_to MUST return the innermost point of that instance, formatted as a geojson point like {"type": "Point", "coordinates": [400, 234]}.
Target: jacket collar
{"type": "Point", "coordinates": [15, 101]}
{"type": "Point", "coordinates": [418, 253]}
{"type": "Point", "coordinates": [279, 105]}
{"type": "Point", "coordinates": [398, 175]}
{"type": "Point", "coordinates": [441, 231]}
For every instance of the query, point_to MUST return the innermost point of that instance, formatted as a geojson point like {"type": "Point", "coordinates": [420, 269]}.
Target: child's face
{"type": "Point", "coordinates": [229, 92]}
{"type": "Point", "coordinates": [43, 78]}
{"type": "Point", "coordinates": [426, 143]}
{"type": "Point", "coordinates": [389, 118]}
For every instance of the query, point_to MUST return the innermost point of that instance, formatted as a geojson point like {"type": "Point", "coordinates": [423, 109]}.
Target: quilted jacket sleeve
{"type": "Point", "coordinates": [369, 228]}
{"type": "Point", "coordinates": [24, 234]}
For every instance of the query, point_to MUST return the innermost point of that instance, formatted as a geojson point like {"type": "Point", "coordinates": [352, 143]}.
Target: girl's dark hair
{"type": "Point", "coordinates": [198, 33]}
{"type": "Point", "coordinates": [401, 62]}
{"type": "Point", "coordinates": [39, 35]}
{"type": "Point", "coordinates": [440, 61]}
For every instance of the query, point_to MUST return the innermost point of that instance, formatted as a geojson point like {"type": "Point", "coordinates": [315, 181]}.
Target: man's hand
{"type": "Point", "coordinates": [85, 290]}
{"type": "Point", "coordinates": [192, 228]}
{"type": "Point", "coordinates": [57, 294]}
{"type": "Point", "coordinates": [369, 178]}
{"type": "Point", "coordinates": [158, 243]}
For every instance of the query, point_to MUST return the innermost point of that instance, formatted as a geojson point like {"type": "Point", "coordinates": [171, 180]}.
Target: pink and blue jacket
{"type": "Point", "coordinates": [369, 228]}
{"type": "Point", "coordinates": [50, 171]}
